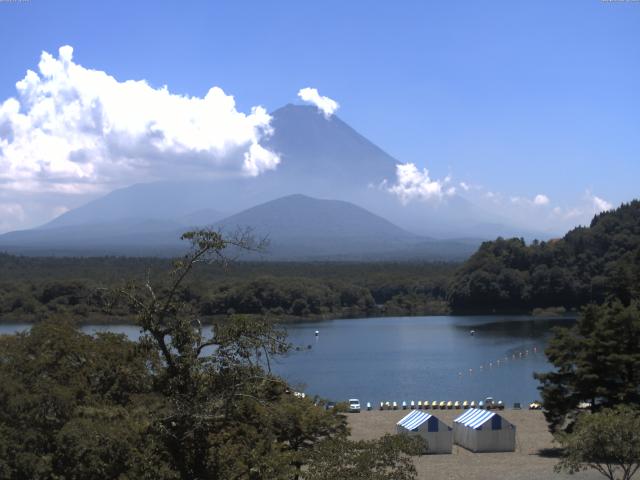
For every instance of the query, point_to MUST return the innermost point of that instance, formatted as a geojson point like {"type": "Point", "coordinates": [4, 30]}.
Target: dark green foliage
{"type": "Point", "coordinates": [597, 361]}
{"type": "Point", "coordinates": [385, 459]}
{"type": "Point", "coordinates": [35, 288]}
{"type": "Point", "coordinates": [587, 265]}
{"type": "Point", "coordinates": [74, 405]}
{"type": "Point", "coordinates": [607, 442]}
{"type": "Point", "coordinates": [175, 405]}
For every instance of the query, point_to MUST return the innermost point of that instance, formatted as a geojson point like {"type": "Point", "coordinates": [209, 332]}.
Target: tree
{"type": "Point", "coordinates": [607, 442]}
{"type": "Point", "coordinates": [388, 458]}
{"type": "Point", "coordinates": [301, 424]}
{"type": "Point", "coordinates": [597, 361]}
{"type": "Point", "coordinates": [225, 414]}
{"type": "Point", "coordinates": [75, 406]}
{"type": "Point", "coordinates": [180, 404]}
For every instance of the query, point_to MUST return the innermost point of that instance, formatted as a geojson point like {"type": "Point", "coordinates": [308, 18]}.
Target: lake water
{"type": "Point", "coordinates": [410, 358]}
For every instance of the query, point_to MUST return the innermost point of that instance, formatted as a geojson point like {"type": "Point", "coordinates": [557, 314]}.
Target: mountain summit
{"type": "Point", "coordinates": [326, 149]}
{"type": "Point", "coordinates": [320, 157]}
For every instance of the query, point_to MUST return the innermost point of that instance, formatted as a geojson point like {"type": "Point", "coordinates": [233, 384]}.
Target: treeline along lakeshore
{"type": "Point", "coordinates": [589, 264]}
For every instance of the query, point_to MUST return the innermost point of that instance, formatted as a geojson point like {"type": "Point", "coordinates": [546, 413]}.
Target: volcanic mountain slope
{"type": "Point", "coordinates": [320, 157]}
{"type": "Point", "coordinates": [298, 227]}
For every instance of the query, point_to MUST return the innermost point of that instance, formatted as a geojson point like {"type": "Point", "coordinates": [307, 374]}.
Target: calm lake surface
{"type": "Point", "coordinates": [409, 358]}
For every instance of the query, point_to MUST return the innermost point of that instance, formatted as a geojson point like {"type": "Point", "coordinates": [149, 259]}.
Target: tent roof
{"type": "Point", "coordinates": [414, 419]}
{"type": "Point", "coordinates": [475, 417]}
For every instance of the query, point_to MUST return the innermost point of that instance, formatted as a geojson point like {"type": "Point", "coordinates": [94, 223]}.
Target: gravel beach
{"type": "Point", "coordinates": [533, 459]}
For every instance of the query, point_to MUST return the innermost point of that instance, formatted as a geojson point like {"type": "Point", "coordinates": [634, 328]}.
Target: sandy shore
{"type": "Point", "coordinates": [533, 458]}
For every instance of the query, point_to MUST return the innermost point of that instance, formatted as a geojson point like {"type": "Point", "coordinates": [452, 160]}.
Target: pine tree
{"type": "Point", "coordinates": [597, 361]}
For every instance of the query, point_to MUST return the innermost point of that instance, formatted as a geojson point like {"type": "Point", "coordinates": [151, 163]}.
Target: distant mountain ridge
{"type": "Point", "coordinates": [298, 228]}
{"type": "Point", "coordinates": [320, 158]}
{"type": "Point", "coordinates": [300, 216]}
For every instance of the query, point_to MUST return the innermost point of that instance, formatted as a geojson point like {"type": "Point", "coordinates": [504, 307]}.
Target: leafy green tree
{"type": "Point", "coordinates": [301, 424]}
{"type": "Point", "coordinates": [182, 403]}
{"type": "Point", "coordinates": [74, 405]}
{"type": "Point", "coordinates": [597, 361]}
{"type": "Point", "coordinates": [110, 442]}
{"type": "Point", "coordinates": [607, 442]}
{"type": "Point", "coordinates": [388, 458]}
{"type": "Point", "coordinates": [225, 415]}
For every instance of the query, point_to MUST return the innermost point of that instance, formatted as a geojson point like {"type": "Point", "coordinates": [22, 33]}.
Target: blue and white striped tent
{"type": "Point", "coordinates": [484, 431]}
{"type": "Point", "coordinates": [439, 436]}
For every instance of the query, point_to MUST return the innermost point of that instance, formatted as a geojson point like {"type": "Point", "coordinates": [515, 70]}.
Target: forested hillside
{"type": "Point", "coordinates": [589, 264]}
{"type": "Point", "coordinates": [34, 288]}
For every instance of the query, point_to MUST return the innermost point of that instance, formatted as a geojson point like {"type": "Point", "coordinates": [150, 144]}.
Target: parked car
{"type": "Point", "coordinates": [537, 406]}
{"type": "Point", "coordinates": [330, 405]}
{"type": "Point", "coordinates": [354, 405]}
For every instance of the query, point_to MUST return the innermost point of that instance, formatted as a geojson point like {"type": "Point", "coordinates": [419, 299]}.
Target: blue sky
{"type": "Point", "coordinates": [516, 98]}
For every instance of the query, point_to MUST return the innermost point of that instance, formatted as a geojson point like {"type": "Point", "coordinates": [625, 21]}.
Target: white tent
{"type": "Point", "coordinates": [438, 435]}
{"type": "Point", "coordinates": [484, 431]}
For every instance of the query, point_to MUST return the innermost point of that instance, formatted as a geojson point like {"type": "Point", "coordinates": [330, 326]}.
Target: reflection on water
{"type": "Point", "coordinates": [409, 358]}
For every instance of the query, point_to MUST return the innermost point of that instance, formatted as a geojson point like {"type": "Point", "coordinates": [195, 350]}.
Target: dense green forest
{"type": "Point", "coordinates": [39, 287]}
{"type": "Point", "coordinates": [587, 265]}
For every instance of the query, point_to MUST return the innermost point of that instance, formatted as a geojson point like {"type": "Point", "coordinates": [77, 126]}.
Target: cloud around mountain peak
{"type": "Point", "coordinates": [326, 105]}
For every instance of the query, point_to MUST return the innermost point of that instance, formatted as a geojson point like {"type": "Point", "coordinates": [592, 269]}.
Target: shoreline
{"type": "Point", "coordinates": [534, 458]}
{"type": "Point", "coordinates": [286, 320]}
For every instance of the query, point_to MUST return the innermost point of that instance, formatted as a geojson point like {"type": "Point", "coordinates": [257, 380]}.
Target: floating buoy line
{"type": "Point", "coordinates": [491, 364]}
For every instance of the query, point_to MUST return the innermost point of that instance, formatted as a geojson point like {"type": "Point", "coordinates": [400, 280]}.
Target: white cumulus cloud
{"type": "Point", "coordinates": [600, 205]}
{"type": "Point", "coordinates": [541, 200]}
{"type": "Point", "coordinates": [589, 206]}
{"type": "Point", "coordinates": [413, 184]}
{"type": "Point", "coordinates": [73, 130]}
{"type": "Point", "coordinates": [537, 201]}
{"type": "Point", "coordinates": [326, 105]}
